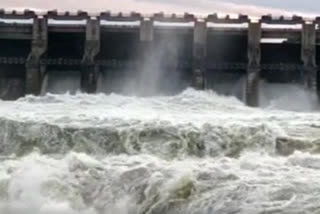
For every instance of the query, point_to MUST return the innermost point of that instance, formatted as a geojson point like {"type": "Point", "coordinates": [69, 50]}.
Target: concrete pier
{"type": "Point", "coordinates": [146, 30]}
{"type": "Point", "coordinates": [254, 58]}
{"type": "Point", "coordinates": [34, 69]}
{"type": "Point", "coordinates": [308, 55]}
{"type": "Point", "coordinates": [89, 68]}
{"type": "Point", "coordinates": [146, 37]}
{"type": "Point", "coordinates": [210, 52]}
{"type": "Point", "coordinates": [199, 55]}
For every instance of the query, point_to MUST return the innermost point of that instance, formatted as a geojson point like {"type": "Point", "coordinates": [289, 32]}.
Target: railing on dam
{"type": "Point", "coordinates": [282, 49]}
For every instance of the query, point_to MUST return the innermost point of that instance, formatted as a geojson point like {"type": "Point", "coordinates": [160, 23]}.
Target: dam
{"type": "Point", "coordinates": [228, 54]}
{"type": "Point", "coordinates": [115, 113]}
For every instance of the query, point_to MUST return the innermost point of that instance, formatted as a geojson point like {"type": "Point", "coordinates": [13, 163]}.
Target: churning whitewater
{"type": "Point", "coordinates": [193, 153]}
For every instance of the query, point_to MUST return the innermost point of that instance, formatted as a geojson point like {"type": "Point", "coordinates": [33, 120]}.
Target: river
{"type": "Point", "coordinates": [193, 153]}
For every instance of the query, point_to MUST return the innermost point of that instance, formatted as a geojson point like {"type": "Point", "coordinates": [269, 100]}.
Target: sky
{"type": "Point", "coordinates": [251, 7]}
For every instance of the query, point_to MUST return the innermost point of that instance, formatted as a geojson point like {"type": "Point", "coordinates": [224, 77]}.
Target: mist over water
{"type": "Point", "coordinates": [61, 82]}
{"type": "Point", "coordinates": [229, 85]}
{"type": "Point", "coordinates": [292, 97]}
{"type": "Point", "coordinates": [155, 71]}
{"type": "Point", "coordinates": [154, 77]}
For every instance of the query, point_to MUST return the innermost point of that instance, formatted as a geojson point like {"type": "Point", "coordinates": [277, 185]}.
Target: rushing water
{"type": "Point", "coordinates": [193, 153]}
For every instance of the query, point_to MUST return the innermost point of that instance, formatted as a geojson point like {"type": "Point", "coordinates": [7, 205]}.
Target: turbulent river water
{"type": "Point", "coordinates": [193, 153]}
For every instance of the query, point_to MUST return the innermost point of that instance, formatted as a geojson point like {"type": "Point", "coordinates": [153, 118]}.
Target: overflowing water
{"type": "Point", "coordinates": [193, 153]}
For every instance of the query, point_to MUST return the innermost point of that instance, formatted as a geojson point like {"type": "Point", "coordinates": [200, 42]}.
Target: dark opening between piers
{"type": "Point", "coordinates": [65, 52]}
{"type": "Point", "coordinates": [279, 53]}
{"type": "Point", "coordinates": [13, 53]}
{"type": "Point", "coordinates": [65, 45]}
{"type": "Point", "coordinates": [227, 59]}
{"type": "Point", "coordinates": [283, 87]}
{"type": "Point", "coordinates": [116, 55]}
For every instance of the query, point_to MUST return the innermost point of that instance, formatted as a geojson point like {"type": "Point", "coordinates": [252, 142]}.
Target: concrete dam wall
{"type": "Point", "coordinates": [147, 54]}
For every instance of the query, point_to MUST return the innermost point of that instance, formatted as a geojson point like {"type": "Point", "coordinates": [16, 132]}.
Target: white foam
{"type": "Point", "coordinates": [148, 178]}
{"type": "Point", "coordinates": [196, 107]}
{"type": "Point", "coordinates": [81, 184]}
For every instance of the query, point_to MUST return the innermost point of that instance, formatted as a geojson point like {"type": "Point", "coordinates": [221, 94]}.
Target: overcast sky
{"type": "Point", "coordinates": [252, 7]}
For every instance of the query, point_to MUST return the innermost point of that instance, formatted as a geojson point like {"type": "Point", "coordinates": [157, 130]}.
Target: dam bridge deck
{"type": "Point", "coordinates": [202, 51]}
